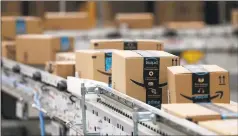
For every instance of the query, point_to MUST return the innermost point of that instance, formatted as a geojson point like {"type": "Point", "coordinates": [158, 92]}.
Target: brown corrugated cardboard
{"type": "Point", "coordinates": [202, 111]}
{"type": "Point", "coordinates": [94, 64]}
{"type": "Point", "coordinates": [221, 127]}
{"type": "Point", "coordinates": [123, 44]}
{"type": "Point", "coordinates": [12, 26]}
{"type": "Point", "coordinates": [185, 24]}
{"type": "Point", "coordinates": [166, 11]}
{"type": "Point", "coordinates": [207, 83]}
{"type": "Point", "coordinates": [142, 74]}
{"type": "Point", "coordinates": [9, 49]}
{"type": "Point", "coordinates": [11, 8]}
{"type": "Point", "coordinates": [66, 21]}
{"type": "Point", "coordinates": [61, 68]}
{"type": "Point", "coordinates": [37, 49]}
{"type": "Point", "coordinates": [234, 17]}
{"type": "Point", "coordinates": [135, 20]}
{"type": "Point", "coordinates": [65, 56]}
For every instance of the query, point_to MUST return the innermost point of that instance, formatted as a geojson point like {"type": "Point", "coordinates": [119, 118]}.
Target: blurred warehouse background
{"type": "Point", "coordinates": [211, 12]}
{"type": "Point", "coordinates": [211, 39]}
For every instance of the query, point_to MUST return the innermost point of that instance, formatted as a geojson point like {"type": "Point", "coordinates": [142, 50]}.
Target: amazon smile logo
{"type": "Point", "coordinates": [204, 98]}
{"type": "Point", "coordinates": [104, 72]}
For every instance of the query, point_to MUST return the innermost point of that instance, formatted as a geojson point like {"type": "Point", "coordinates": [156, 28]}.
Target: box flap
{"type": "Point", "coordinates": [214, 68]}
{"type": "Point", "coordinates": [222, 127]}
{"type": "Point", "coordinates": [188, 110]}
{"type": "Point", "coordinates": [179, 70]}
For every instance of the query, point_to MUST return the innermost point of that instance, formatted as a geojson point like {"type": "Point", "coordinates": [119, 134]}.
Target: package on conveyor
{"type": "Point", "coordinates": [202, 111]}
{"type": "Point", "coordinates": [234, 17]}
{"type": "Point", "coordinates": [198, 83]}
{"type": "Point", "coordinates": [67, 21]}
{"type": "Point", "coordinates": [65, 56]}
{"type": "Point", "coordinates": [9, 49]}
{"type": "Point", "coordinates": [61, 68]}
{"type": "Point", "coordinates": [221, 127]}
{"type": "Point", "coordinates": [12, 26]}
{"type": "Point", "coordinates": [142, 74]}
{"type": "Point", "coordinates": [94, 64]}
{"type": "Point", "coordinates": [35, 49]}
{"type": "Point", "coordinates": [135, 20]}
{"type": "Point", "coordinates": [185, 24]}
{"type": "Point", "coordinates": [123, 44]}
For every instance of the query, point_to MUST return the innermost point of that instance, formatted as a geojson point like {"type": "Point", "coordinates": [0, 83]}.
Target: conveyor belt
{"type": "Point", "coordinates": [102, 110]}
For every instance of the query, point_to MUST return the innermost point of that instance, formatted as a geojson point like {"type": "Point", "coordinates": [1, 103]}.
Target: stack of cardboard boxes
{"type": "Point", "coordinates": [140, 69]}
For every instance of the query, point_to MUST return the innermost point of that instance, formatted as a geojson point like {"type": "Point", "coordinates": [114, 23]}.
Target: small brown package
{"type": "Point", "coordinates": [185, 24]}
{"type": "Point", "coordinates": [94, 64]}
{"type": "Point", "coordinates": [61, 68]}
{"type": "Point", "coordinates": [65, 56]}
{"type": "Point", "coordinates": [142, 74]}
{"type": "Point", "coordinates": [234, 17]}
{"type": "Point", "coordinates": [198, 83]}
{"type": "Point", "coordinates": [66, 21]}
{"type": "Point", "coordinates": [12, 26]}
{"type": "Point", "coordinates": [135, 20]}
{"type": "Point", "coordinates": [37, 49]}
{"type": "Point", "coordinates": [202, 111]}
{"type": "Point", "coordinates": [9, 49]}
{"type": "Point", "coordinates": [123, 44]}
{"type": "Point", "coordinates": [222, 127]}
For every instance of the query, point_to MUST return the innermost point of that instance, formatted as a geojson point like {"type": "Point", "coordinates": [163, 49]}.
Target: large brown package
{"type": "Point", "coordinates": [123, 44]}
{"type": "Point", "coordinates": [142, 74]}
{"type": "Point", "coordinates": [13, 26]}
{"type": "Point", "coordinates": [198, 83]}
{"type": "Point", "coordinates": [94, 64]}
{"type": "Point", "coordinates": [66, 21]}
{"type": "Point", "coordinates": [135, 20]}
{"type": "Point", "coordinates": [202, 111]}
{"type": "Point", "coordinates": [37, 49]}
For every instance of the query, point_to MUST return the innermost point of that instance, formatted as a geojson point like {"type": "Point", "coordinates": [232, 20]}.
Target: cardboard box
{"type": "Point", "coordinates": [135, 20]}
{"type": "Point", "coordinates": [37, 49]}
{"type": "Point", "coordinates": [198, 83]}
{"type": "Point", "coordinates": [12, 26]}
{"type": "Point", "coordinates": [61, 68]}
{"type": "Point", "coordinates": [11, 8]}
{"type": "Point", "coordinates": [167, 11]}
{"type": "Point", "coordinates": [234, 17]}
{"type": "Point", "coordinates": [123, 44]}
{"type": "Point", "coordinates": [94, 64]}
{"type": "Point", "coordinates": [9, 49]}
{"type": "Point", "coordinates": [201, 111]}
{"type": "Point", "coordinates": [185, 24]}
{"type": "Point", "coordinates": [221, 127]}
{"type": "Point", "coordinates": [66, 21]}
{"type": "Point", "coordinates": [65, 56]}
{"type": "Point", "coordinates": [142, 74]}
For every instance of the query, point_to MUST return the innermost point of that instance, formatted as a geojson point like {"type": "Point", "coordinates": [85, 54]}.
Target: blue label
{"type": "Point", "coordinates": [20, 26]}
{"type": "Point", "coordinates": [108, 61]}
{"type": "Point", "coordinates": [64, 44]}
